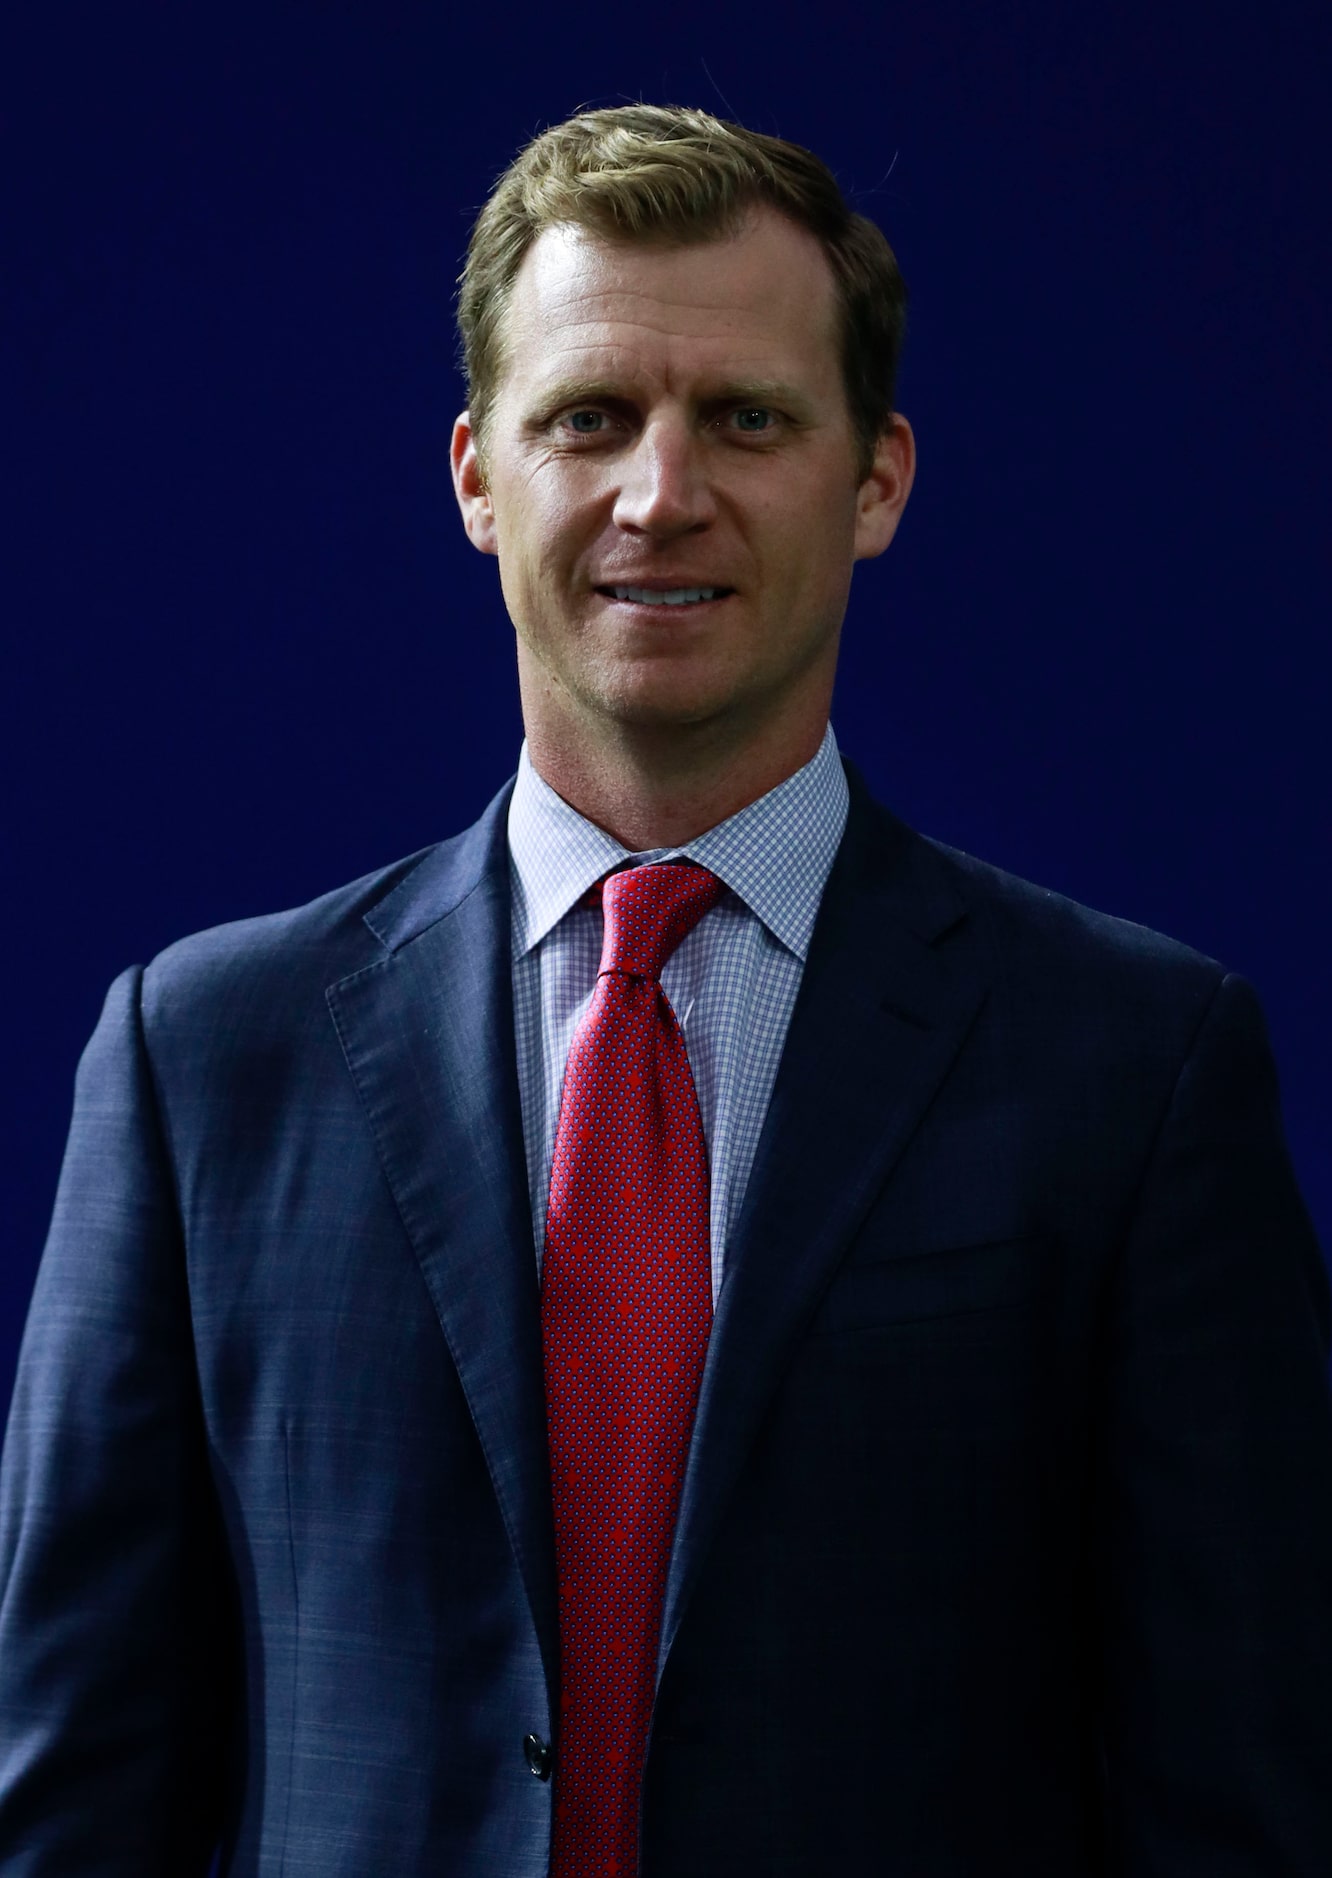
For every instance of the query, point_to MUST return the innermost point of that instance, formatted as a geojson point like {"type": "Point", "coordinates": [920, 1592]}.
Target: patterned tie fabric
{"type": "Point", "coordinates": [626, 1312]}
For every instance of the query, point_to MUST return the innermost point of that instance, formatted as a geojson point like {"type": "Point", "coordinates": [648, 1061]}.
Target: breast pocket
{"type": "Point", "coordinates": [929, 1286]}
{"type": "Point", "coordinates": [928, 1352]}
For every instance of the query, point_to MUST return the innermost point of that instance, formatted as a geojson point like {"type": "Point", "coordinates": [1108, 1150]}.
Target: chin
{"type": "Point", "coordinates": [661, 706]}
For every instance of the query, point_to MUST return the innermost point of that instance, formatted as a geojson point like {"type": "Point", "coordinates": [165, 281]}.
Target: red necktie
{"type": "Point", "coordinates": [626, 1311]}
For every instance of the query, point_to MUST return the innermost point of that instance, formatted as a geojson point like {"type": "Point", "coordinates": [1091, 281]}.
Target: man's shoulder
{"type": "Point", "coordinates": [1013, 908]}
{"type": "Point", "coordinates": [1050, 952]}
{"type": "Point", "coordinates": [278, 961]}
{"type": "Point", "coordinates": [945, 893]}
{"type": "Point", "coordinates": [319, 933]}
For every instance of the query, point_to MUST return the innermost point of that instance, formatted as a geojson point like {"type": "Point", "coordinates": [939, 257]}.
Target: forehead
{"type": "Point", "coordinates": [759, 301]}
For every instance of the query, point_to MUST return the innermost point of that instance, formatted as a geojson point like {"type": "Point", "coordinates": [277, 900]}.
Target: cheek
{"type": "Point", "coordinates": [543, 533]}
{"type": "Point", "coordinates": [809, 571]}
{"type": "Point", "coordinates": [825, 542]}
{"type": "Point", "coordinates": [804, 520]}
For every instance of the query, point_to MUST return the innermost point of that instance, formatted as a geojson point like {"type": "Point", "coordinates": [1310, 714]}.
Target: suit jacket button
{"type": "Point", "coordinates": [539, 1756]}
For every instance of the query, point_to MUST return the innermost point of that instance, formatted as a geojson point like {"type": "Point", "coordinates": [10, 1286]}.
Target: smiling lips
{"type": "Point", "coordinates": [664, 596]}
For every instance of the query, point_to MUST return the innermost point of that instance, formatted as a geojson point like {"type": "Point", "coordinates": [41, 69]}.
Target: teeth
{"type": "Point", "coordinates": [674, 596]}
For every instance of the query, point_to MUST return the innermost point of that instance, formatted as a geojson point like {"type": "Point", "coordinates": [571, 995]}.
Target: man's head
{"type": "Point", "coordinates": [681, 440]}
{"type": "Point", "coordinates": [645, 173]}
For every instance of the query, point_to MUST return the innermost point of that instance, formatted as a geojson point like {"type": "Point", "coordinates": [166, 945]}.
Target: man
{"type": "Point", "coordinates": [689, 1328]}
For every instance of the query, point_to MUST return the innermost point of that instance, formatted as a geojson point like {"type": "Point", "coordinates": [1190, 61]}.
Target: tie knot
{"type": "Point", "coordinates": [649, 910]}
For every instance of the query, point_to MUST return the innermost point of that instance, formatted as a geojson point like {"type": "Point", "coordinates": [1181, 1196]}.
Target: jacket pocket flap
{"type": "Point", "coordinates": [951, 1282]}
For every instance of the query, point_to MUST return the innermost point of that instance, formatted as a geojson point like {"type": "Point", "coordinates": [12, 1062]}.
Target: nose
{"type": "Point", "coordinates": [665, 490]}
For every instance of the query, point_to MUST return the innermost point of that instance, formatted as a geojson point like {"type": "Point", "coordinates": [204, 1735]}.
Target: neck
{"type": "Point", "coordinates": [661, 791]}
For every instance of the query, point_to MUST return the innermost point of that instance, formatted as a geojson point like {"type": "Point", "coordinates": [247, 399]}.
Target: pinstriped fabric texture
{"type": "Point", "coordinates": [732, 982]}
{"type": "Point", "coordinates": [626, 1311]}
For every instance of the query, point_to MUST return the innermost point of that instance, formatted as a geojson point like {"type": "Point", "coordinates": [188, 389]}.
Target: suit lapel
{"type": "Point", "coordinates": [889, 991]}
{"type": "Point", "coordinates": [428, 1035]}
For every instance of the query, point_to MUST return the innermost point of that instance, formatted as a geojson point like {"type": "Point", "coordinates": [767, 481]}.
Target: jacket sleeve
{"type": "Point", "coordinates": [1213, 1490]}
{"type": "Point", "coordinates": [117, 1614]}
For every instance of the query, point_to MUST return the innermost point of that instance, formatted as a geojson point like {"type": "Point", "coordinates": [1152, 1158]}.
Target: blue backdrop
{"type": "Point", "coordinates": [248, 653]}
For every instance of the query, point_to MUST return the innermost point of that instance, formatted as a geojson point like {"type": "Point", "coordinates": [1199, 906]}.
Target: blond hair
{"type": "Point", "coordinates": [665, 173]}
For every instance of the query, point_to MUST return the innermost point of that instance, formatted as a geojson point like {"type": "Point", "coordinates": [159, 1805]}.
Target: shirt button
{"type": "Point", "coordinates": [538, 1756]}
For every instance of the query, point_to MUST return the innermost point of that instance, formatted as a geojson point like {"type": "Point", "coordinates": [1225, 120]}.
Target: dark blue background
{"type": "Point", "coordinates": [248, 653]}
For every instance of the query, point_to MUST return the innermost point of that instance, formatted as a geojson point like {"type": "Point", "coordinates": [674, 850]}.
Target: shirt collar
{"type": "Point", "coordinates": [774, 854]}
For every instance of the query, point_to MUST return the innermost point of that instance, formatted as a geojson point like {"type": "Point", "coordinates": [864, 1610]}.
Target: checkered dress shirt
{"type": "Point", "coordinates": [732, 983]}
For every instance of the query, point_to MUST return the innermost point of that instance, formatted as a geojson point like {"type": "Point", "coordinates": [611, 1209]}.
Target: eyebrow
{"type": "Point", "coordinates": [575, 390]}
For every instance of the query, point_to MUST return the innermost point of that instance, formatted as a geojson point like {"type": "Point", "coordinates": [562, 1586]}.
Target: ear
{"type": "Point", "coordinates": [469, 485]}
{"type": "Point", "coordinates": [882, 496]}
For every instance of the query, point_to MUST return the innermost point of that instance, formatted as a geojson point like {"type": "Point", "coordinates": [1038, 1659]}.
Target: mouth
{"type": "Point", "coordinates": [665, 600]}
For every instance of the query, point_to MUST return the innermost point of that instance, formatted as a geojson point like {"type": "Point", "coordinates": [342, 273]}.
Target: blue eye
{"type": "Point", "coordinates": [581, 430]}
{"type": "Point", "coordinates": [754, 430]}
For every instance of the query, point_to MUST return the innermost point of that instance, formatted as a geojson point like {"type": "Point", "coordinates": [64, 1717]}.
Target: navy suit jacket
{"type": "Point", "coordinates": [1006, 1539]}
